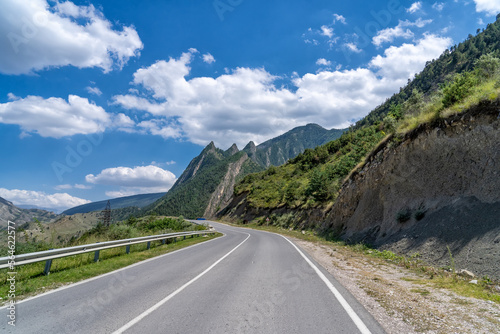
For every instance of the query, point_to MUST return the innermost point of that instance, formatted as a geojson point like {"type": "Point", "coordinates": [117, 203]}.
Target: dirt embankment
{"type": "Point", "coordinates": [438, 188]}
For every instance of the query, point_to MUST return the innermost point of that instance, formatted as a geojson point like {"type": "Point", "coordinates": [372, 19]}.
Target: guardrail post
{"type": "Point", "coordinates": [96, 256]}
{"type": "Point", "coordinates": [48, 264]}
{"type": "Point", "coordinates": [163, 241]}
{"type": "Point", "coordinates": [184, 238]}
{"type": "Point", "coordinates": [175, 239]}
{"type": "Point", "coordinates": [127, 249]}
{"type": "Point", "coordinates": [149, 245]}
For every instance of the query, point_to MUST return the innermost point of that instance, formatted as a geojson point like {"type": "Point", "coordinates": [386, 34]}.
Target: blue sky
{"type": "Point", "coordinates": [100, 99]}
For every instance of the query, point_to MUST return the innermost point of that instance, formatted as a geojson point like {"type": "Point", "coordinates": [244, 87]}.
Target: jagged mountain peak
{"type": "Point", "coordinates": [210, 147]}
{"type": "Point", "coordinates": [232, 150]}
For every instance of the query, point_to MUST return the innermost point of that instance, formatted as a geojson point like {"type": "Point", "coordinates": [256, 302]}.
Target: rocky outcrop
{"type": "Point", "coordinates": [222, 195]}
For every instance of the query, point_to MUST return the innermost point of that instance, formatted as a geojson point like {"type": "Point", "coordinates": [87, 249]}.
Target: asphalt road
{"type": "Point", "coordinates": [245, 282]}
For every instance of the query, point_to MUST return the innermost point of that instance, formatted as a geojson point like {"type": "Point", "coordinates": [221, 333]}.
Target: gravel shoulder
{"type": "Point", "coordinates": [396, 298]}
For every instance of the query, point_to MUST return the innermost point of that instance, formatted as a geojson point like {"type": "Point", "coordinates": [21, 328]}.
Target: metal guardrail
{"type": "Point", "coordinates": [48, 256]}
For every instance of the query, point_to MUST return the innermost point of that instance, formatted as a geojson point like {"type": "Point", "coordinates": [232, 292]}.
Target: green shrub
{"type": "Point", "coordinates": [457, 89]}
{"type": "Point", "coordinates": [403, 215]}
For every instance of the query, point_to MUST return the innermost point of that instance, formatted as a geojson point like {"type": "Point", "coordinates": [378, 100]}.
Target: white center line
{"type": "Point", "coordinates": [170, 296]}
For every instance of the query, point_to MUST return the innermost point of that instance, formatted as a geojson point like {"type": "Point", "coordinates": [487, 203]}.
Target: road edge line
{"type": "Point", "coordinates": [352, 314]}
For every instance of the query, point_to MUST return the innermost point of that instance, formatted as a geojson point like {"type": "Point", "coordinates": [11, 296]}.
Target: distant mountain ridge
{"type": "Point", "coordinates": [8, 211]}
{"type": "Point", "coordinates": [207, 184]}
{"type": "Point", "coordinates": [138, 201]}
{"type": "Point", "coordinates": [277, 151]}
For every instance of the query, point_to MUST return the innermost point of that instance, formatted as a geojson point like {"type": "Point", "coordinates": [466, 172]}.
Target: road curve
{"type": "Point", "coordinates": [245, 282]}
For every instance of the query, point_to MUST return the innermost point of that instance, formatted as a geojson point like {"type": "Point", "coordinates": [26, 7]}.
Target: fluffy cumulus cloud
{"type": "Point", "coordinates": [94, 90]}
{"type": "Point", "coordinates": [401, 30]}
{"type": "Point", "coordinates": [208, 58]}
{"type": "Point", "coordinates": [144, 179]}
{"type": "Point", "coordinates": [246, 103]}
{"type": "Point", "coordinates": [339, 18]}
{"type": "Point", "coordinates": [402, 62]}
{"type": "Point", "coordinates": [56, 117]}
{"type": "Point", "coordinates": [323, 62]}
{"type": "Point", "coordinates": [326, 31]}
{"type": "Point", "coordinates": [57, 202]}
{"type": "Point", "coordinates": [415, 7]}
{"type": "Point", "coordinates": [491, 7]}
{"type": "Point", "coordinates": [37, 34]}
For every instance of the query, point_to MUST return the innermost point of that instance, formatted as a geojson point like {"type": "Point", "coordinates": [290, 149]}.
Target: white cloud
{"type": "Point", "coordinates": [352, 47]}
{"type": "Point", "coordinates": [491, 7]}
{"type": "Point", "coordinates": [94, 90]}
{"type": "Point", "coordinates": [137, 180]}
{"type": "Point", "coordinates": [12, 97]}
{"type": "Point", "coordinates": [339, 18]}
{"type": "Point", "coordinates": [208, 58]}
{"type": "Point", "coordinates": [416, 6]}
{"type": "Point", "coordinates": [161, 127]}
{"type": "Point", "coordinates": [404, 61]}
{"type": "Point", "coordinates": [55, 117]}
{"type": "Point", "coordinates": [142, 176]}
{"type": "Point", "coordinates": [438, 6]}
{"type": "Point", "coordinates": [37, 35]}
{"type": "Point", "coordinates": [246, 103]}
{"type": "Point", "coordinates": [389, 34]}
{"type": "Point", "coordinates": [57, 201]}
{"type": "Point", "coordinates": [323, 62]}
{"type": "Point", "coordinates": [326, 31]}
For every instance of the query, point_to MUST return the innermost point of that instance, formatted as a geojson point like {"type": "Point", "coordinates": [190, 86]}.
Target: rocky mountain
{"type": "Point", "coordinates": [138, 201]}
{"type": "Point", "coordinates": [9, 211]}
{"type": "Point", "coordinates": [279, 150]}
{"type": "Point", "coordinates": [208, 182]}
{"type": "Point", "coordinates": [214, 169]}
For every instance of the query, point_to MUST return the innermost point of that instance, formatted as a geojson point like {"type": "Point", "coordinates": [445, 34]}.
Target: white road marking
{"type": "Point", "coordinates": [355, 318]}
{"type": "Point", "coordinates": [166, 299]}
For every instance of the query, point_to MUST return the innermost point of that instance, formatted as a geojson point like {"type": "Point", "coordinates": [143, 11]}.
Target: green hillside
{"type": "Point", "coordinates": [190, 196]}
{"type": "Point", "coordinates": [459, 58]}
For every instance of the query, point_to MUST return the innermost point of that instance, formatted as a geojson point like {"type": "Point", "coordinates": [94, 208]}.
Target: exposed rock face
{"type": "Point", "coordinates": [443, 183]}
{"type": "Point", "coordinates": [431, 169]}
{"type": "Point", "coordinates": [222, 195]}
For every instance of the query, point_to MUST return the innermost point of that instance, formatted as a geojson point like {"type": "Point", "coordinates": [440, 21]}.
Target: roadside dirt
{"type": "Point", "coordinates": [400, 303]}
